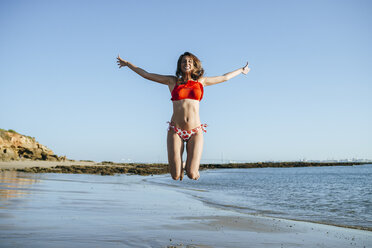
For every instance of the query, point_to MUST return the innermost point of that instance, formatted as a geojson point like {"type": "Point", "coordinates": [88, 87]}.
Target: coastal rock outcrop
{"type": "Point", "coordinates": [15, 146]}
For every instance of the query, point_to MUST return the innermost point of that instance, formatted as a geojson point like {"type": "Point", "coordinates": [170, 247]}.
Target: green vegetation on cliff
{"type": "Point", "coordinates": [4, 135]}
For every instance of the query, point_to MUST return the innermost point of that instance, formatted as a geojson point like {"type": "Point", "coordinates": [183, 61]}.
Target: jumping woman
{"type": "Point", "coordinates": [185, 127]}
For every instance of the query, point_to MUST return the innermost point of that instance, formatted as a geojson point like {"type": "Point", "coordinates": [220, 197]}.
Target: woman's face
{"type": "Point", "coordinates": [187, 64]}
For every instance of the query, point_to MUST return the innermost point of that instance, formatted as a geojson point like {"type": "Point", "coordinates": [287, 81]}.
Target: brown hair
{"type": "Point", "coordinates": [198, 71]}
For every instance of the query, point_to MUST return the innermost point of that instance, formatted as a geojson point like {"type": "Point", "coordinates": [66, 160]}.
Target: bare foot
{"type": "Point", "coordinates": [198, 176]}
{"type": "Point", "coordinates": [182, 170]}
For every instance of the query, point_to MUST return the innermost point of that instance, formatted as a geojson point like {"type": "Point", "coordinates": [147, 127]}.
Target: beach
{"type": "Point", "coordinates": [14, 165]}
{"type": "Point", "coordinates": [80, 210]}
{"type": "Point", "coordinates": [267, 106]}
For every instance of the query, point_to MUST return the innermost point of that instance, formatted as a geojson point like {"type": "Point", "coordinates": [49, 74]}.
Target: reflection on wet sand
{"type": "Point", "coordinates": [14, 184]}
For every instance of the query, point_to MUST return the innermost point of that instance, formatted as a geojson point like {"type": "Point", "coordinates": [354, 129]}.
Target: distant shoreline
{"type": "Point", "coordinates": [111, 168]}
{"type": "Point", "coordinates": [280, 164]}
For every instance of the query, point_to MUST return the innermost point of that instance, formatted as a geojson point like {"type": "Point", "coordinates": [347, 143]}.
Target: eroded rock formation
{"type": "Point", "coordinates": [15, 146]}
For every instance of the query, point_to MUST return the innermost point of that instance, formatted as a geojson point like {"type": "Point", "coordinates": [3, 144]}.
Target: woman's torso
{"type": "Point", "coordinates": [185, 111]}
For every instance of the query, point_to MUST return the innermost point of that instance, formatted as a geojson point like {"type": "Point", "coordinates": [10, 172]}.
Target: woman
{"type": "Point", "coordinates": [185, 127]}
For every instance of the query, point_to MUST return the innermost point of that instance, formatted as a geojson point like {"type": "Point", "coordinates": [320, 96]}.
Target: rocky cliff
{"type": "Point", "coordinates": [15, 146]}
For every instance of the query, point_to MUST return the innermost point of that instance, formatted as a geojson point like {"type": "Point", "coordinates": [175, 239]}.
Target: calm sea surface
{"type": "Point", "coordinates": [340, 195]}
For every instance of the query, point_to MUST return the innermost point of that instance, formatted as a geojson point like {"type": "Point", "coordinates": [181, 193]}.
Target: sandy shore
{"type": "Point", "coordinates": [42, 164]}
{"type": "Point", "coordinates": [69, 210]}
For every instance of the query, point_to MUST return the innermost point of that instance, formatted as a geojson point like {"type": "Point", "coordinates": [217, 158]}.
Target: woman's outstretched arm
{"type": "Point", "coordinates": [150, 76]}
{"type": "Point", "coordinates": [227, 76]}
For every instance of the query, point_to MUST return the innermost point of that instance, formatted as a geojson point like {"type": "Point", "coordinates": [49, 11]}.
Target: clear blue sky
{"type": "Point", "coordinates": [308, 94]}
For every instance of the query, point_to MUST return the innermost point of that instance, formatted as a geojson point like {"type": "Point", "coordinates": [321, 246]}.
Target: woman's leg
{"type": "Point", "coordinates": [194, 148]}
{"type": "Point", "coordinates": [175, 149]}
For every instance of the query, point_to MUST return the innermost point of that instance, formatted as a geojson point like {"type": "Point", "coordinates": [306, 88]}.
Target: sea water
{"type": "Point", "coordinates": [338, 195]}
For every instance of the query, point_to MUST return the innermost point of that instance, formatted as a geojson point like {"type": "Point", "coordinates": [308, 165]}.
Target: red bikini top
{"type": "Point", "coordinates": [190, 90]}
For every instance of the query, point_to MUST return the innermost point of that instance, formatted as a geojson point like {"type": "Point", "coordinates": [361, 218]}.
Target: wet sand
{"type": "Point", "coordinates": [79, 210]}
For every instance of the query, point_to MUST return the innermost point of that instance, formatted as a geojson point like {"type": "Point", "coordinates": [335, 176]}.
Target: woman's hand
{"type": "Point", "coordinates": [121, 62]}
{"type": "Point", "coordinates": [246, 69]}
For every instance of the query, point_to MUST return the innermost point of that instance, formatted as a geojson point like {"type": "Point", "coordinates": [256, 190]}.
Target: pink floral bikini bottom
{"type": "Point", "coordinates": [186, 134]}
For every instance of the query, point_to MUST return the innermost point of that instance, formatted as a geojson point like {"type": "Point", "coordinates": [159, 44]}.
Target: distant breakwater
{"type": "Point", "coordinates": [278, 164]}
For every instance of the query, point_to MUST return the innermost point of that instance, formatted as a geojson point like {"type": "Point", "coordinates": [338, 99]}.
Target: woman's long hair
{"type": "Point", "coordinates": [198, 70]}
